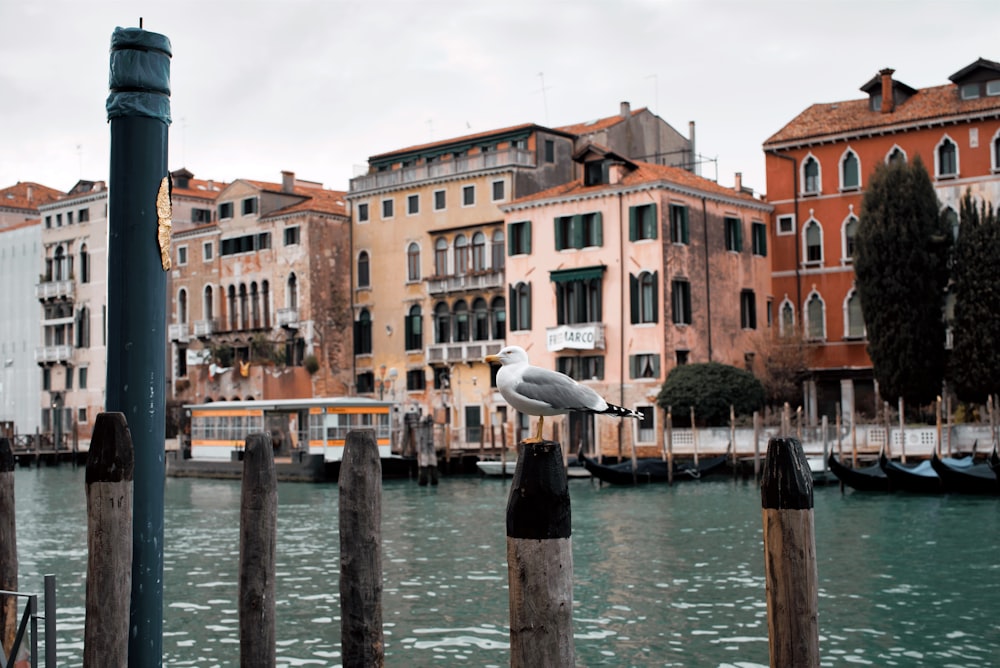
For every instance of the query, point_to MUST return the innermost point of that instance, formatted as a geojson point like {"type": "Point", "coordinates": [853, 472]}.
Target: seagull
{"type": "Point", "coordinates": [537, 391]}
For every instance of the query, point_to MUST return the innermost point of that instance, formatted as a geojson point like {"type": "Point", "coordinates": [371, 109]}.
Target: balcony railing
{"type": "Point", "coordinates": [584, 336]}
{"type": "Point", "coordinates": [50, 354]}
{"type": "Point", "coordinates": [55, 290]}
{"type": "Point", "coordinates": [205, 327]}
{"type": "Point", "coordinates": [178, 331]}
{"type": "Point", "coordinates": [461, 351]}
{"type": "Point", "coordinates": [462, 283]}
{"type": "Point", "coordinates": [287, 317]}
{"type": "Point", "coordinates": [443, 168]}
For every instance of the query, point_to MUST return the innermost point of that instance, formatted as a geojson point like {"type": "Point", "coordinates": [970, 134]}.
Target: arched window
{"type": "Point", "coordinates": [946, 158]}
{"type": "Point", "coordinates": [442, 323]}
{"type": "Point", "coordinates": [265, 289]}
{"type": "Point", "coordinates": [895, 154]}
{"type": "Point", "coordinates": [995, 152]}
{"type": "Point", "coordinates": [441, 257]}
{"type": "Point", "coordinates": [208, 308]}
{"type": "Point", "coordinates": [254, 305]}
{"type": "Point", "coordinates": [854, 321]}
{"type": "Point", "coordinates": [786, 323]}
{"type": "Point", "coordinates": [461, 313]}
{"type": "Point", "coordinates": [244, 311]}
{"type": "Point", "coordinates": [850, 231]}
{"type": "Point", "coordinates": [231, 307]}
{"type": "Point", "coordinates": [850, 171]}
{"type": "Point", "coordinates": [363, 333]}
{"type": "Point", "coordinates": [364, 272]}
{"type": "Point", "coordinates": [812, 241]}
{"type": "Point", "coordinates": [815, 317]}
{"type": "Point", "coordinates": [182, 306]}
{"type": "Point", "coordinates": [461, 255]}
{"type": "Point", "coordinates": [84, 264]}
{"type": "Point", "coordinates": [520, 300]}
{"type": "Point", "coordinates": [414, 329]}
{"type": "Point", "coordinates": [413, 262]}
{"type": "Point", "coordinates": [479, 252]}
{"type": "Point", "coordinates": [951, 219]}
{"type": "Point", "coordinates": [499, 252]}
{"type": "Point", "coordinates": [293, 292]}
{"type": "Point", "coordinates": [60, 274]}
{"type": "Point", "coordinates": [810, 176]}
{"type": "Point", "coordinates": [498, 316]}
{"type": "Point", "coordinates": [644, 296]}
{"type": "Point", "coordinates": [480, 320]}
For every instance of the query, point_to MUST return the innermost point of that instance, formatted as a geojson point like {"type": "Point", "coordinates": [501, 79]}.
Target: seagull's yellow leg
{"type": "Point", "coordinates": [537, 438]}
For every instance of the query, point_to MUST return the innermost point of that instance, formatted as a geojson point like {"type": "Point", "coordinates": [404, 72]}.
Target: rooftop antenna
{"type": "Point", "coordinates": [545, 102]}
{"type": "Point", "coordinates": [140, 23]}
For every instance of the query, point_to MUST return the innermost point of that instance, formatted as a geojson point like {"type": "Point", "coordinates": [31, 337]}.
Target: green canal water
{"type": "Point", "coordinates": [663, 576]}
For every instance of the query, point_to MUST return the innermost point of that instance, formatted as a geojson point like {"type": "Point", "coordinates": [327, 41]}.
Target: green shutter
{"type": "Point", "coordinates": [599, 229]}
{"type": "Point", "coordinates": [633, 293]}
{"type": "Point", "coordinates": [655, 221]}
{"type": "Point", "coordinates": [656, 296]}
{"type": "Point", "coordinates": [656, 365]}
{"type": "Point", "coordinates": [527, 237]}
{"type": "Point", "coordinates": [510, 238]}
{"type": "Point", "coordinates": [632, 372]}
{"type": "Point", "coordinates": [685, 237]}
{"type": "Point", "coordinates": [576, 239]}
{"type": "Point", "coordinates": [560, 242]}
{"type": "Point", "coordinates": [633, 232]}
{"type": "Point", "coordinates": [739, 235]}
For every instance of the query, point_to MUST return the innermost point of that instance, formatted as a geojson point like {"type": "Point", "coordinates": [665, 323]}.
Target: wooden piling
{"type": "Point", "coordinates": [902, 432]}
{"type": "Point", "coordinates": [362, 644]}
{"type": "Point", "coordinates": [110, 470]}
{"type": "Point", "coordinates": [258, 553]}
{"type": "Point", "coordinates": [670, 445]}
{"type": "Point", "coordinates": [8, 547]}
{"type": "Point", "coordinates": [790, 556]}
{"type": "Point", "coordinates": [540, 560]}
{"type": "Point", "coordinates": [756, 445]}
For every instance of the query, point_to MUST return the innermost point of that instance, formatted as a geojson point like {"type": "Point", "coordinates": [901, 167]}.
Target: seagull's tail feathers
{"type": "Point", "coordinates": [618, 411]}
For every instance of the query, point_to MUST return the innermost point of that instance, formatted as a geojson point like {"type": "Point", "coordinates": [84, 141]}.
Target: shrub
{"type": "Point", "coordinates": [711, 388]}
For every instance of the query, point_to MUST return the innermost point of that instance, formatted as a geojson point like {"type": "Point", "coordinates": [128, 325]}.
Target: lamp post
{"type": "Point", "coordinates": [384, 382]}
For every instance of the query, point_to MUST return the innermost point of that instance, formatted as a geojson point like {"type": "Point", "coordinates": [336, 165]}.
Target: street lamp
{"type": "Point", "coordinates": [385, 382]}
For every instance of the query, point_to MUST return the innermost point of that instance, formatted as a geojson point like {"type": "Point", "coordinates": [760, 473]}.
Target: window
{"type": "Point", "coordinates": [461, 255]}
{"type": "Point", "coordinates": [478, 252]}
{"type": "Point", "coordinates": [895, 155]}
{"type": "Point", "coordinates": [249, 206]}
{"type": "Point", "coordinates": [293, 291]}
{"type": "Point", "coordinates": [292, 236]}
{"type": "Point", "coordinates": [679, 224]}
{"type": "Point", "coordinates": [208, 307]}
{"type": "Point", "coordinates": [498, 318]}
{"type": "Point", "coordinates": [643, 293]}
{"type": "Point", "coordinates": [682, 356]}
{"type": "Point", "coordinates": [387, 210]}
{"type": "Point", "coordinates": [579, 231]}
{"type": "Point", "coordinates": [82, 384]}
{"type": "Point", "coordinates": [480, 320]}
{"type": "Point", "coordinates": [84, 264]}
{"type": "Point", "coordinates": [550, 150]}
{"type": "Point", "coordinates": [245, 244]}
{"type": "Point", "coordinates": [441, 257]}
{"type": "Point", "coordinates": [850, 171]}
{"type": "Point", "coordinates": [996, 152]}
{"type": "Point", "coordinates": [947, 158]}
{"type": "Point", "coordinates": [69, 378]}
{"type": "Point", "coordinates": [734, 234]}
{"type": "Point", "coordinates": [758, 232]}
{"type": "Point", "coordinates": [207, 251]}
{"type": "Point", "coordinates": [83, 215]}
{"type": "Point", "coordinates": [442, 379]}
{"type": "Point", "coordinates": [225, 210]}
{"type": "Point", "coordinates": [992, 89]}
{"type": "Point", "coordinates": [850, 232]}
{"type": "Point", "coordinates": [785, 225]}
{"type": "Point", "coordinates": [46, 379]}
{"type": "Point", "coordinates": [810, 176]}
{"type": "Point", "coordinates": [197, 215]}
{"type": "Point", "coordinates": [578, 301]}
{"type": "Point", "coordinates": [595, 172]}
{"type": "Point", "coordinates": [970, 91]}
{"type": "Point", "coordinates": [468, 195]}
{"type": "Point", "coordinates": [520, 301]}
{"type": "Point", "coordinates": [748, 309]}
{"type": "Point", "coordinates": [680, 302]}
{"type": "Point", "coordinates": [519, 238]}
{"type": "Point", "coordinates": [498, 253]}
{"type": "Point", "coordinates": [642, 222]}
{"type": "Point", "coordinates": [460, 320]}
{"type": "Point", "coordinates": [584, 367]}
{"type": "Point", "coordinates": [414, 329]}
{"type": "Point", "coordinates": [69, 217]}
{"type": "Point", "coordinates": [364, 270]}
{"type": "Point", "coordinates": [182, 306]}
{"type": "Point", "coordinates": [644, 365]}
{"type": "Point", "coordinates": [442, 323]}
{"type": "Point", "coordinates": [182, 255]}
{"type": "Point", "coordinates": [365, 382]}
{"type": "Point", "coordinates": [815, 318]}
{"type": "Point", "coordinates": [439, 200]}
{"type": "Point", "coordinates": [854, 321]}
{"type": "Point", "coordinates": [415, 380]}
{"type": "Point", "coordinates": [363, 212]}
{"type": "Point", "coordinates": [786, 325]}
{"type": "Point", "coordinates": [812, 237]}
{"type": "Point", "coordinates": [646, 430]}
{"type": "Point", "coordinates": [363, 333]}
{"type": "Point", "coordinates": [413, 262]}
{"type": "Point", "coordinates": [412, 205]}
{"type": "Point", "coordinates": [498, 191]}
{"type": "Point", "coordinates": [82, 325]}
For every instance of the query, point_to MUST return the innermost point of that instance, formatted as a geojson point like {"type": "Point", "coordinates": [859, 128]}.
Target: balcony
{"type": "Point", "coordinates": [461, 351]}
{"type": "Point", "coordinates": [204, 328]}
{"type": "Point", "coordinates": [178, 331]}
{"type": "Point", "coordinates": [287, 317]}
{"type": "Point", "coordinates": [55, 290]}
{"type": "Point", "coordinates": [440, 285]}
{"type": "Point", "coordinates": [443, 168]}
{"type": "Point", "coordinates": [53, 354]}
{"type": "Point", "coordinates": [583, 336]}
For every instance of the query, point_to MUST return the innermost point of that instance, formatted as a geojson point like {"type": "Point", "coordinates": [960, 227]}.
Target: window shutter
{"type": "Point", "coordinates": [685, 237]}
{"type": "Point", "coordinates": [632, 370]}
{"type": "Point", "coordinates": [560, 242]}
{"type": "Point", "coordinates": [599, 229]}
{"type": "Point", "coordinates": [655, 221]}
{"type": "Point", "coordinates": [656, 297]}
{"type": "Point", "coordinates": [527, 306]}
{"type": "Point", "coordinates": [512, 300]}
{"type": "Point", "coordinates": [656, 365]}
{"type": "Point", "coordinates": [739, 235]}
{"type": "Point", "coordinates": [576, 239]}
{"type": "Point", "coordinates": [510, 238]}
{"type": "Point", "coordinates": [633, 232]}
{"type": "Point", "coordinates": [526, 237]}
{"type": "Point", "coordinates": [633, 291]}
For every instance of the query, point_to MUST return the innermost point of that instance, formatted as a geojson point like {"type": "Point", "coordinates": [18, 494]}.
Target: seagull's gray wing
{"type": "Point", "coordinates": [558, 390]}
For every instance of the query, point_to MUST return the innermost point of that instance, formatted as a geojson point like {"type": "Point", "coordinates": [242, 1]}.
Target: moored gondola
{"type": "Point", "coordinates": [866, 478]}
{"type": "Point", "coordinates": [964, 476]}
{"type": "Point", "coordinates": [918, 478]}
{"type": "Point", "coordinates": [651, 470]}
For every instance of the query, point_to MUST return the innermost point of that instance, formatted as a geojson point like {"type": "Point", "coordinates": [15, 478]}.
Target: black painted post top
{"type": "Point", "coordinates": [111, 457]}
{"type": "Point", "coordinates": [538, 507]}
{"type": "Point", "coordinates": [787, 480]}
{"type": "Point", "coordinates": [6, 455]}
{"type": "Point", "coordinates": [140, 74]}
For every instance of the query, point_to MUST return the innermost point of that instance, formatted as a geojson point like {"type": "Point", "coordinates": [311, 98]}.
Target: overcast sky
{"type": "Point", "coordinates": [317, 87]}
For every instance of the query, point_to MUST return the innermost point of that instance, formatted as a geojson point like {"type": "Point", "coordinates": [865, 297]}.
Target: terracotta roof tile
{"type": "Point", "coordinates": [16, 196]}
{"type": "Point", "coordinates": [597, 125]}
{"type": "Point", "coordinates": [200, 189]}
{"type": "Point", "coordinates": [454, 140]}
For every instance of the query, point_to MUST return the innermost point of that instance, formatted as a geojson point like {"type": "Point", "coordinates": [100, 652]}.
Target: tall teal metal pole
{"type": "Point", "coordinates": [138, 258]}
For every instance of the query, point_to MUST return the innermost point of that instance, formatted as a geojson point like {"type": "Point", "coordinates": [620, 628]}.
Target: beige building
{"type": "Point", "coordinates": [620, 275]}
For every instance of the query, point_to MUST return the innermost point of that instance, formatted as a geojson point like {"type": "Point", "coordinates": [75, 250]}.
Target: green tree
{"type": "Point", "coordinates": [711, 388]}
{"type": "Point", "coordinates": [901, 263]}
{"type": "Point", "coordinates": [975, 355]}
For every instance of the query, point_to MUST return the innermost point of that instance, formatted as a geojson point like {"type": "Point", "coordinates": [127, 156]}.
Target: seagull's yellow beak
{"type": "Point", "coordinates": [491, 359]}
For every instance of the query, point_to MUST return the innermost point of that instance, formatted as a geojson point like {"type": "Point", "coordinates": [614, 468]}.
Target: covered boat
{"type": "Point", "coordinates": [920, 478]}
{"type": "Point", "coordinates": [964, 476]}
{"type": "Point", "coordinates": [651, 469]}
{"type": "Point", "coordinates": [866, 478]}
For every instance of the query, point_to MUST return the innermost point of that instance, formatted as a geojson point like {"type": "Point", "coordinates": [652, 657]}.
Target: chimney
{"type": "Point", "coordinates": [888, 100]}
{"type": "Point", "coordinates": [738, 182]}
{"type": "Point", "coordinates": [693, 165]}
{"type": "Point", "coordinates": [31, 193]}
{"type": "Point", "coordinates": [616, 172]}
{"type": "Point", "coordinates": [626, 109]}
{"type": "Point", "coordinates": [287, 181]}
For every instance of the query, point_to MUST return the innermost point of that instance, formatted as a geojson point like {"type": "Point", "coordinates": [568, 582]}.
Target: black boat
{"type": "Point", "coordinates": [995, 461]}
{"type": "Point", "coordinates": [865, 479]}
{"type": "Point", "coordinates": [964, 476]}
{"type": "Point", "coordinates": [920, 478]}
{"type": "Point", "coordinates": [651, 469]}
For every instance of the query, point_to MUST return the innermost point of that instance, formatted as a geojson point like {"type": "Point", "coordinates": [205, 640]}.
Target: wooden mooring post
{"type": "Point", "coordinates": [8, 547]}
{"type": "Point", "coordinates": [790, 556]}
{"type": "Point", "coordinates": [258, 553]}
{"type": "Point", "coordinates": [540, 560]}
{"type": "Point", "coordinates": [362, 643]}
{"type": "Point", "coordinates": [110, 469]}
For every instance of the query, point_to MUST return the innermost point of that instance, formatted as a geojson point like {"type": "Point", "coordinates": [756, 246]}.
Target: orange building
{"type": "Point", "coordinates": [818, 166]}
